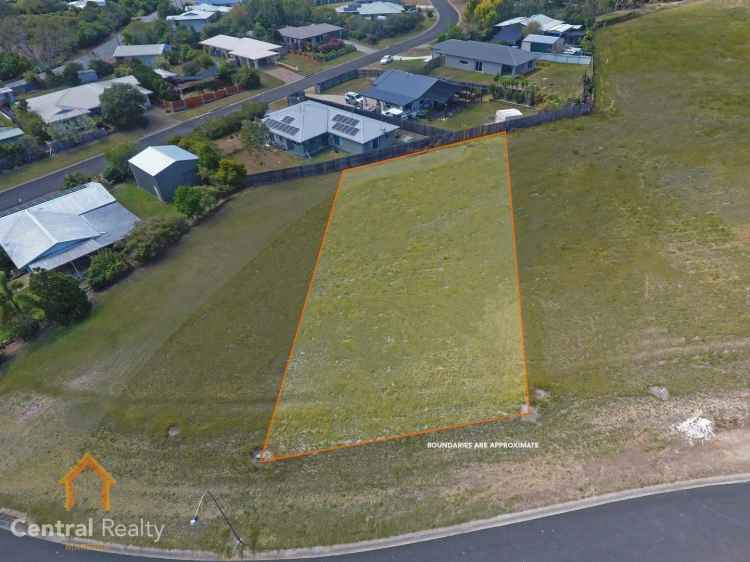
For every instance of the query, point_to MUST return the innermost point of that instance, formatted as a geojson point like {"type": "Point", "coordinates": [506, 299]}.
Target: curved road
{"type": "Point", "coordinates": [710, 524]}
{"type": "Point", "coordinates": [93, 166]}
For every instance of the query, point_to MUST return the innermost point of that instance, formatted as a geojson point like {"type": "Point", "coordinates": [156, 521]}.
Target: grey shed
{"type": "Point", "coordinates": [160, 170]}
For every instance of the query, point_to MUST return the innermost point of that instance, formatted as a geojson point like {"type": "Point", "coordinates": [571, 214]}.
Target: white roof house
{"type": "Point", "coordinates": [546, 24]}
{"type": "Point", "coordinates": [372, 9]}
{"type": "Point", "coordinates": [81, 4]}
{"type": "Point", "coordinates": [153, 50]}
{"type": "Point", "coordinates": [75, 102]}
{"type": "Point", "coordinates": [243, 47]}
{"type": "Point", "coordinates": [155, 159]}
{"type": "Point", "coordinates": [309, 119]}
{"type": "Point", "coordinates": [212, 8]}
{"type": "Point", "coordinates": [196, 19]}
{"type": "Point", "coordinates": [73, 224]}
{"type": "Point", "coordinates": [9, 134]}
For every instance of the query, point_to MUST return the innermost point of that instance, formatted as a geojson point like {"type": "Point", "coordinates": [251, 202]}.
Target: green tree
{"type": "Point", "coordinates": [102, 68]}
{"type": "Point", "coordinates": [123, 106]}
{"type": "Point", "coordinates": [74, 180]}
{"type": "Point", "coordinates": [106, 267]}
{"type": "Point", "coordinates": [230, 172]}
{"type": "Point", "coordinates": [227, 72]}
{"type": "Point", "coordinates": [117, 169]}
{"type": "Point", "coordinates": [70, 73]}
{"type": "Point", "coordinates": [254, 136]}
{"type": "Point", "coordinates": [194, 202]}
{"type": "Point", "coordinates": [59, 296]}
{"type": "Point", "coordinates": [13, 65]}
{"type": "Point", "coordinates": [247, 78]}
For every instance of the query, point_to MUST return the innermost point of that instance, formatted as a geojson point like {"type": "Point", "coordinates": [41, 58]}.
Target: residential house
{"type": "Point", "coordinates": [160, 170]}
{"type": "Point", "coordinates": [7, 96]}
{"type": "Point", "coordinates": [212, 8]}
{"type": "Point", "coordinates": [310, 127]}
{"type": "Point", "coordinates": [87, 75]}
{"type": "Point", "coordinates": [147, 54]}
{"type": "Point", "coordinates": [309, 36]}
{"type": "Point", "coordinates": [510, 35]}
{"type": "Point", "coordinates": [546, 25]}
{"type": "Point", "coordinates": [10, 135]}
{"type": "Point", "coordinates": [534, 43]}
{"type": "Point", "coordinates": [193, 19]}
{"type": "Point", "coordinates": [371, 10]}
{"type": "Point", "coordinates": [70, 109]}
{"type": "Point", "coordinates": [487, 58]}
{"type": "Point", "coordinates": [409, 92]}
{"type": "Point", "coordinates": [221, 2]}
{"type": "Point", "coordinates": [244, 50]}
{"type": "Point", "coordinates": [81, 4]}
{"type": "Point", "coordinates": [59, 230]}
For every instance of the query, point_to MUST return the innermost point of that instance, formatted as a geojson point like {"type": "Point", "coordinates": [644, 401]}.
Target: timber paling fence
{"type": "Point", "coordinates": [438, 137]}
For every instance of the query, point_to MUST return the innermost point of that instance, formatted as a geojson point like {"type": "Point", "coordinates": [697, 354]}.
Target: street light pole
{"type": "Point", "coordinates": [194, 520]}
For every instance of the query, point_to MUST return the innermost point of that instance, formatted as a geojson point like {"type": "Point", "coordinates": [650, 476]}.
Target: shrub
{"type": "Point", "coordinates": [230, 172]}
{"type": "Point", "coordinates": [106, 268]}
{"type": "Point", "coordinates": [123, 106]}
{"type": "Point", "coordinates": [24, 326]}
{"type": "Point", "coordinates": [150, 238]}
{"type": "Point", "coordinates": [59, 296]}
{"type": "Point", "coordinates": [247, 78]}
{"type": "Point", "coordinates": [102, 68]}
{"type": "Point", "coordinates": [194, 202]}
{"type": "Point", "coordinates": [74, 180]}
{"type": "Point", "coordinates": [117, 169]}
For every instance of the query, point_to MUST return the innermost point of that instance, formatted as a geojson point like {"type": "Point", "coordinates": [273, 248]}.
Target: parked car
{"type": "Point", "coordinates": [386, 59]}
{"type": "Point", "coordinates": [394, 112]}
{"type": "Point", "coordinates": [353, 98]}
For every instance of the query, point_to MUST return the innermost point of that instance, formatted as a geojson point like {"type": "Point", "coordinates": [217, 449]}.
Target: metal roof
{"type": "Point", "coordinates": [376, 8]}
{"type": "Point", "coordinates": [399, 87]}
{"type": "Point", "coordinates": [243, 47]}
{"type": "Point", "coordinates": [192, 15]}
{"type": "Point", "coordinates": [156, 159]}
{"type": "Point", "coordinates": [509, 34]}
{"type": "Point", "coordinates": [545, 39]}
{"type": "Point", "coordinates": [140, 50]}
{"type": "Point", "coordinates": [7, 133]}
{"type": "Point", "coordinates": [73, 224]}
{"type": "Point", "coordinates": [310, 119]}
{"type": "Point", "coordinates": [546, 23]}
{"type": "Point", "coordinates": [77, 101]}
{"type": "Point", "coordinates": [308, 31]}
{"type": "Point", "coordinates": [487, 52]}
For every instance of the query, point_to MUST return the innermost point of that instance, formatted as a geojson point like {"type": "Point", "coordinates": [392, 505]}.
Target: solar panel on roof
{"type": "Point", "coordinates": [283, 127]}
{"type": "Point", "coordinates": [346, 129]}
{"type": "Point", "coordinates": [288, 119]}
{"type": "Point", "coordinates": [345, 119]}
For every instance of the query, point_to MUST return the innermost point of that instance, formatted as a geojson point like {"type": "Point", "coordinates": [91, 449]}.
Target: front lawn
{"type": "Point", "coordinates": [141, 203]}
{"type": "Point", "coordinates": [307, 65]}
{"type": "Point", "coordinates": [356, 85]}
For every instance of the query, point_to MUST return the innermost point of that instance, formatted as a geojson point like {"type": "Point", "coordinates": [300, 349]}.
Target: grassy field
{"type": "Point", "coordinates": [308, 66]}
{"type": "Point", "coordinates": [474, 115]}
{"type": "Point", "coordinates": [556, 79]}
{"type": "Point", "coordinates": [633, 243]}
{"type": "Point", "coordinates": [413, 258]}
{"type": "Point", "coordinates": [142, 204]}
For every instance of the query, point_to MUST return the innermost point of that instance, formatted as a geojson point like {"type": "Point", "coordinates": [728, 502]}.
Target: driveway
{"type": "Point", "coordinates": [286, 75]}
{"type": "Point", "coordinates": [699, 525]}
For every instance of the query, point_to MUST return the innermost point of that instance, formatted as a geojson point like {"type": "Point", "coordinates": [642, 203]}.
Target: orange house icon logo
{"type": "Point", "coordinates": [87, 462]}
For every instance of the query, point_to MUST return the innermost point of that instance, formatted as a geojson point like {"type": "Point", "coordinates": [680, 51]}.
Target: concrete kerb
{"type": "Point", "coordinates": [409, 538]}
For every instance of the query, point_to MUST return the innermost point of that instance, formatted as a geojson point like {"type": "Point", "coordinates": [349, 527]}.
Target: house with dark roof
{"type": "Point", "coordinates": [310, 127]}
{"type": "Point", "coordinates": [510, 35]}
{"type": "Point", "coordinates": [487, 58]}
{"type": "Point", "coordinates": [535, 43]}
{"type": "Point", "coordinates": [56, 231]}
{"type": "Point", "coordinates": [309, 36]}
{"type": "Point", "coordinates": [160, 170]}
{"type": "Point", "coordinates": [409, 92]}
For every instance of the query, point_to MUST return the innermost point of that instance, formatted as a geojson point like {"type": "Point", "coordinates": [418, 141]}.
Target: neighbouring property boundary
{"type": "Point", "coordinates": [436, 137]}
{"type": "Point", "coordinates": [266, 457]}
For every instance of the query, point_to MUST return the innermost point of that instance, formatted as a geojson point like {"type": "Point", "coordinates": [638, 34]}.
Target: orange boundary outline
{"type": "Point", "coordinates": [311, 282]}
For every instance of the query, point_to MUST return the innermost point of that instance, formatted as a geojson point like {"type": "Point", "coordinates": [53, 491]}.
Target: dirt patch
{"type": "Point", "coordinates": [257, 160]}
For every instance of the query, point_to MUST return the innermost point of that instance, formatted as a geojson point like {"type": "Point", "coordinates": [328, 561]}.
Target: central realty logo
{"type": "Point", "coordinates": [87, 462]}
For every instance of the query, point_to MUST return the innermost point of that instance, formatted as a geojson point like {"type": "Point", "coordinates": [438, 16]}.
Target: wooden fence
{"type": "Point", "coordinates": [200, 99]}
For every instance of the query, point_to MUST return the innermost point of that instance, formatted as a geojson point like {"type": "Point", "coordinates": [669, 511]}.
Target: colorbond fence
{"type": "Point", "coordinates": [564, 59]}
{"type": "Point", "coordinates": [200, 99]}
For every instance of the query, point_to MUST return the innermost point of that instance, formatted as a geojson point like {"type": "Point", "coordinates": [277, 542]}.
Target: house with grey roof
{"type": "Point", "coordinates": [193, 19]}
{"type": "Point", "coordinates": [57, 231]}
{"type": "Point", "coordinates": [147, 54]}
{"type": "Point", "coordinates": [487, 58]}
{"type": "Point", "coordinates": [310, 127]}
{"type": "Point", "coordinates": [534, 43]}
{"type": "Point", "coordinates": [309, 36]}
{"type": "Point", "coordinates": [546, 25]}
{"type": "Point", "coordinates": [160, 170]}
{"type": "Point", "coordinates": [10, 135]}
{"type": "Point", "coordinates": [372, 10]}
{"type": "Point", "coordinates": [409, 92]}
{"type": "Point", "coordinates": [70, 109]}
{"type": "Point", "coordinates": [243, 50]}
{"type": "Point", "coordinates": [510, 34]}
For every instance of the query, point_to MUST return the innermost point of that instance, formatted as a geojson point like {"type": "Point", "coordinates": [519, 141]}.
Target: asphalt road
{"type": "Point", "coordinates": [701, 525]}
{"type": "Point", "coordinates": [42, 186]}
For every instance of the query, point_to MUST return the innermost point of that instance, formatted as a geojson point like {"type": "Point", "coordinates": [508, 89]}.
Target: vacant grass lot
{"type": "Point", "coordinates": [475, 114]}
{"type": "Point", "coordinates": [141, 203]}
{"type": "Point", "coordinates": [413, 319]}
